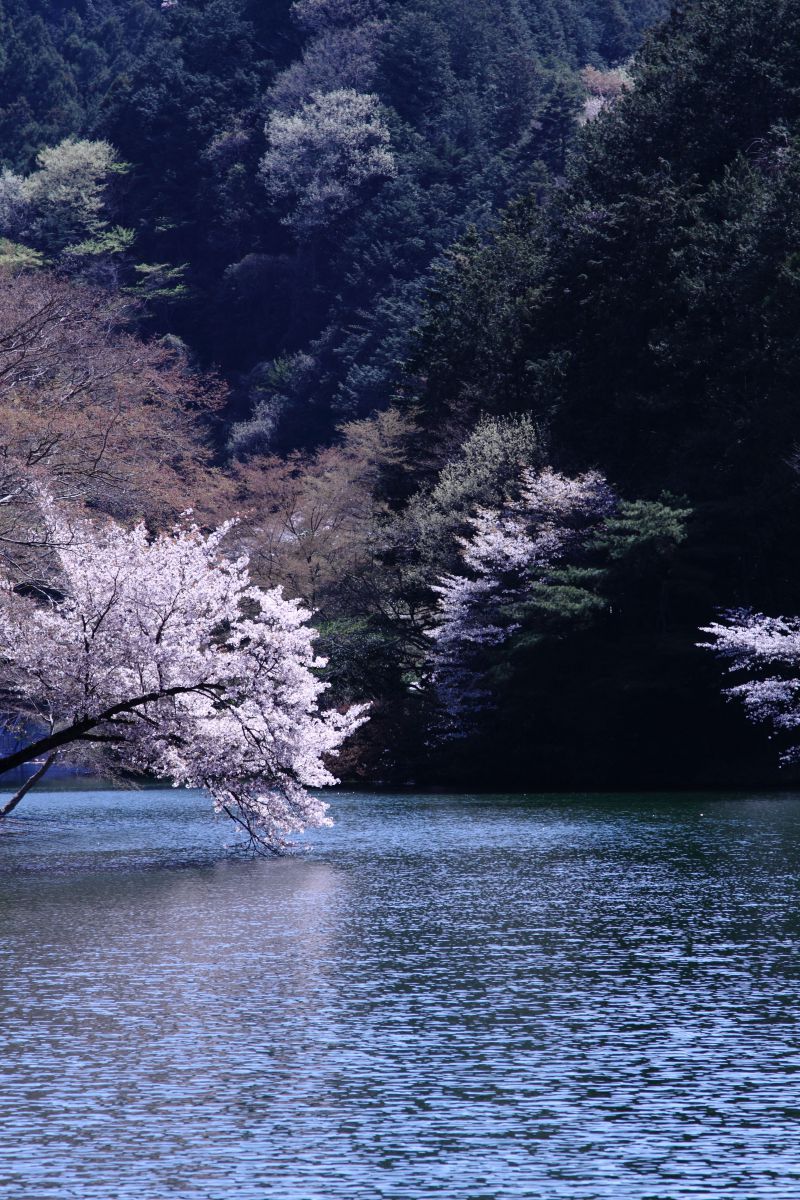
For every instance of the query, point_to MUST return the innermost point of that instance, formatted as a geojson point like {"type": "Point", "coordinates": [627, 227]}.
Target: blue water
{"type": "Point", "coordinates": [479, 998]}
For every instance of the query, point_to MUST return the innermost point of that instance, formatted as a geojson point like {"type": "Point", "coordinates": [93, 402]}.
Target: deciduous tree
{"type": "Point", "coordinates": [322, 156]}
{"type": "Point", "coordinates": [161, 655]}
{"type": "Point", "coordinates": [93, 413]}
{"type": "Point", "coordinates": [764, 654]}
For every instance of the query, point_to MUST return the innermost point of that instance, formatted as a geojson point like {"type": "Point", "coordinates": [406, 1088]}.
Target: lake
{"type": "Point", "coordinates": [471, 997]}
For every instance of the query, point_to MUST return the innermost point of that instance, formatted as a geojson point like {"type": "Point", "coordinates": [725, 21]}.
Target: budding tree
{"type": "Point", "coordinates": [161, 656]}
{"type": "Point", "coordinates": [765, 653]}
{"type": "Point", "coordinates": [92, 414]}
{"type": "Point", "coordinates": [336, 59]}
{"type": "Point", "coordinates": [322, 156]}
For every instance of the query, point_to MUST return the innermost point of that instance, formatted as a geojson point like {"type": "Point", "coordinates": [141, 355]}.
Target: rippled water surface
{"type": "Point", "coordinates": [477, 998]}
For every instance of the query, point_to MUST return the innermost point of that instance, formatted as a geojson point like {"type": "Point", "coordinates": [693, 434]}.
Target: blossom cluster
{"type": "Point", "coordinates": [323, 154]}
{"type": "Point", "coordinates": [508, 551]}
{"type": "Point", "coordinates": [765, 653]}
{"type": "Point", "coordinates": [161, 653]}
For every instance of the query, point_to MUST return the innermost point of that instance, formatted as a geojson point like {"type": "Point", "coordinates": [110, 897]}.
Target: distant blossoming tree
{"type": "Point", "coordinates": [321, 156]}
{"type": "Point", "coordinates": [765, 653]}
{"type": "Point", "coordinates": [510, 551]}
{"type": "Point", "coordinates": [161, 655]}
{"type": "Point", "coordinates": [603, 90]}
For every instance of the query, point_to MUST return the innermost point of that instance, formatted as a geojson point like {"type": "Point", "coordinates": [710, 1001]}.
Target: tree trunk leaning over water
{"type": "Point", "coordinates": [27, 785]}
{"type": "Point", "coordinates": [159, 655]}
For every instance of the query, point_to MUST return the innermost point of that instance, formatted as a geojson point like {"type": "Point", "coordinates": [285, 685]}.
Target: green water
{"type": "Point", "coordinates": [444, 996]}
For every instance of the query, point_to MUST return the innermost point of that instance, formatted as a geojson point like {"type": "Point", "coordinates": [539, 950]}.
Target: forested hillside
{"type": "Point", "coordinates": [399, 397]}
{"type": "Point", "coordinates": [646, 320]}
{"type": "Point", "coordinates": [262, 232]}
{"type": "Point", "coordinates": [484, 327]}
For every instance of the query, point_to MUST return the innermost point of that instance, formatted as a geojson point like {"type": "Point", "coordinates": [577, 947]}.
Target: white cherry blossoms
{"type": "Point", "coordinates": [508, 552]}
{"type": "Point", "coordinates": [160, 653]}
{"type": "Point", "coordinates": [768, 650]}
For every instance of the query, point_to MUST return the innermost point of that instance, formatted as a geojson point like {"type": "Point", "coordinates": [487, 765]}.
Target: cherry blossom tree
{"type": "Point", "coordinates": [508, 552]}
{"type": "Point", "coordinates": [764, 652]}
{"type": "Point", "coordinates": [323, 155]}
{"type": "Point", "coordinates": [603, 90]}
{"type": "Point", "coordinates": [159, 655]}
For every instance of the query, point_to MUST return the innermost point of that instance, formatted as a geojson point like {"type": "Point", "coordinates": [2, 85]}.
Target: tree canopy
{"type": "Point", "coordinates": [549, 247]}
{"type": "Point", "coordinates": [161, 656]}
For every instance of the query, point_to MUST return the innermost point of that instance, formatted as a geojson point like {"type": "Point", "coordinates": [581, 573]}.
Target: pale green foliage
{"type": "Point", "coordinates": [62, 205]}
{"type": "Point", "coordinates": [15, 257]}
{"type": "Point", "coordinates": [160, 281]}
{"type": "Point", "coordinates": [322, 156]}
{"type": "Point", "coordinates": [479, 476]}
{"type": "Point", "coordinates": [116, 240]}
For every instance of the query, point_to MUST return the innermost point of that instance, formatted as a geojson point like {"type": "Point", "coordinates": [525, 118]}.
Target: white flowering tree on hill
{"type": "Point", "coordinates": [509, 552]}
{"type": "Point", "coordinates": [764, 652]}
{"type": "Point", "coordinates": [323, 155]}
{"type": "Point", "coordinates": [160, 655]}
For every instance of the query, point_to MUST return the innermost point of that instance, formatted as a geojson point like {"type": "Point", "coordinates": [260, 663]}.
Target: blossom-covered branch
{"type": "Point", "coordinates": [509, 550]}
{"type": "Point", "coordinates": [767, 651]}
{"type": "Point", "coordinates": [159, 654]}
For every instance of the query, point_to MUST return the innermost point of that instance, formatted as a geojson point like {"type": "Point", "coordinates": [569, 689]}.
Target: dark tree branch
{"type": "Point", "coordinates": [27, 785]}
{"type": "Point", "coordinates": [79, 729]}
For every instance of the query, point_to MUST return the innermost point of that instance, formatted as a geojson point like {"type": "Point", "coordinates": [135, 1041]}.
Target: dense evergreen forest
{"type": "Point", "coordinates": [481, 314]}
{"type": "Point", "coordinates": [307, 303]}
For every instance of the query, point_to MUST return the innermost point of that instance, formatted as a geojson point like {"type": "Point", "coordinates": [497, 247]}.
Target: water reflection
{"type": "Point", "coordinates": [446, 996]}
